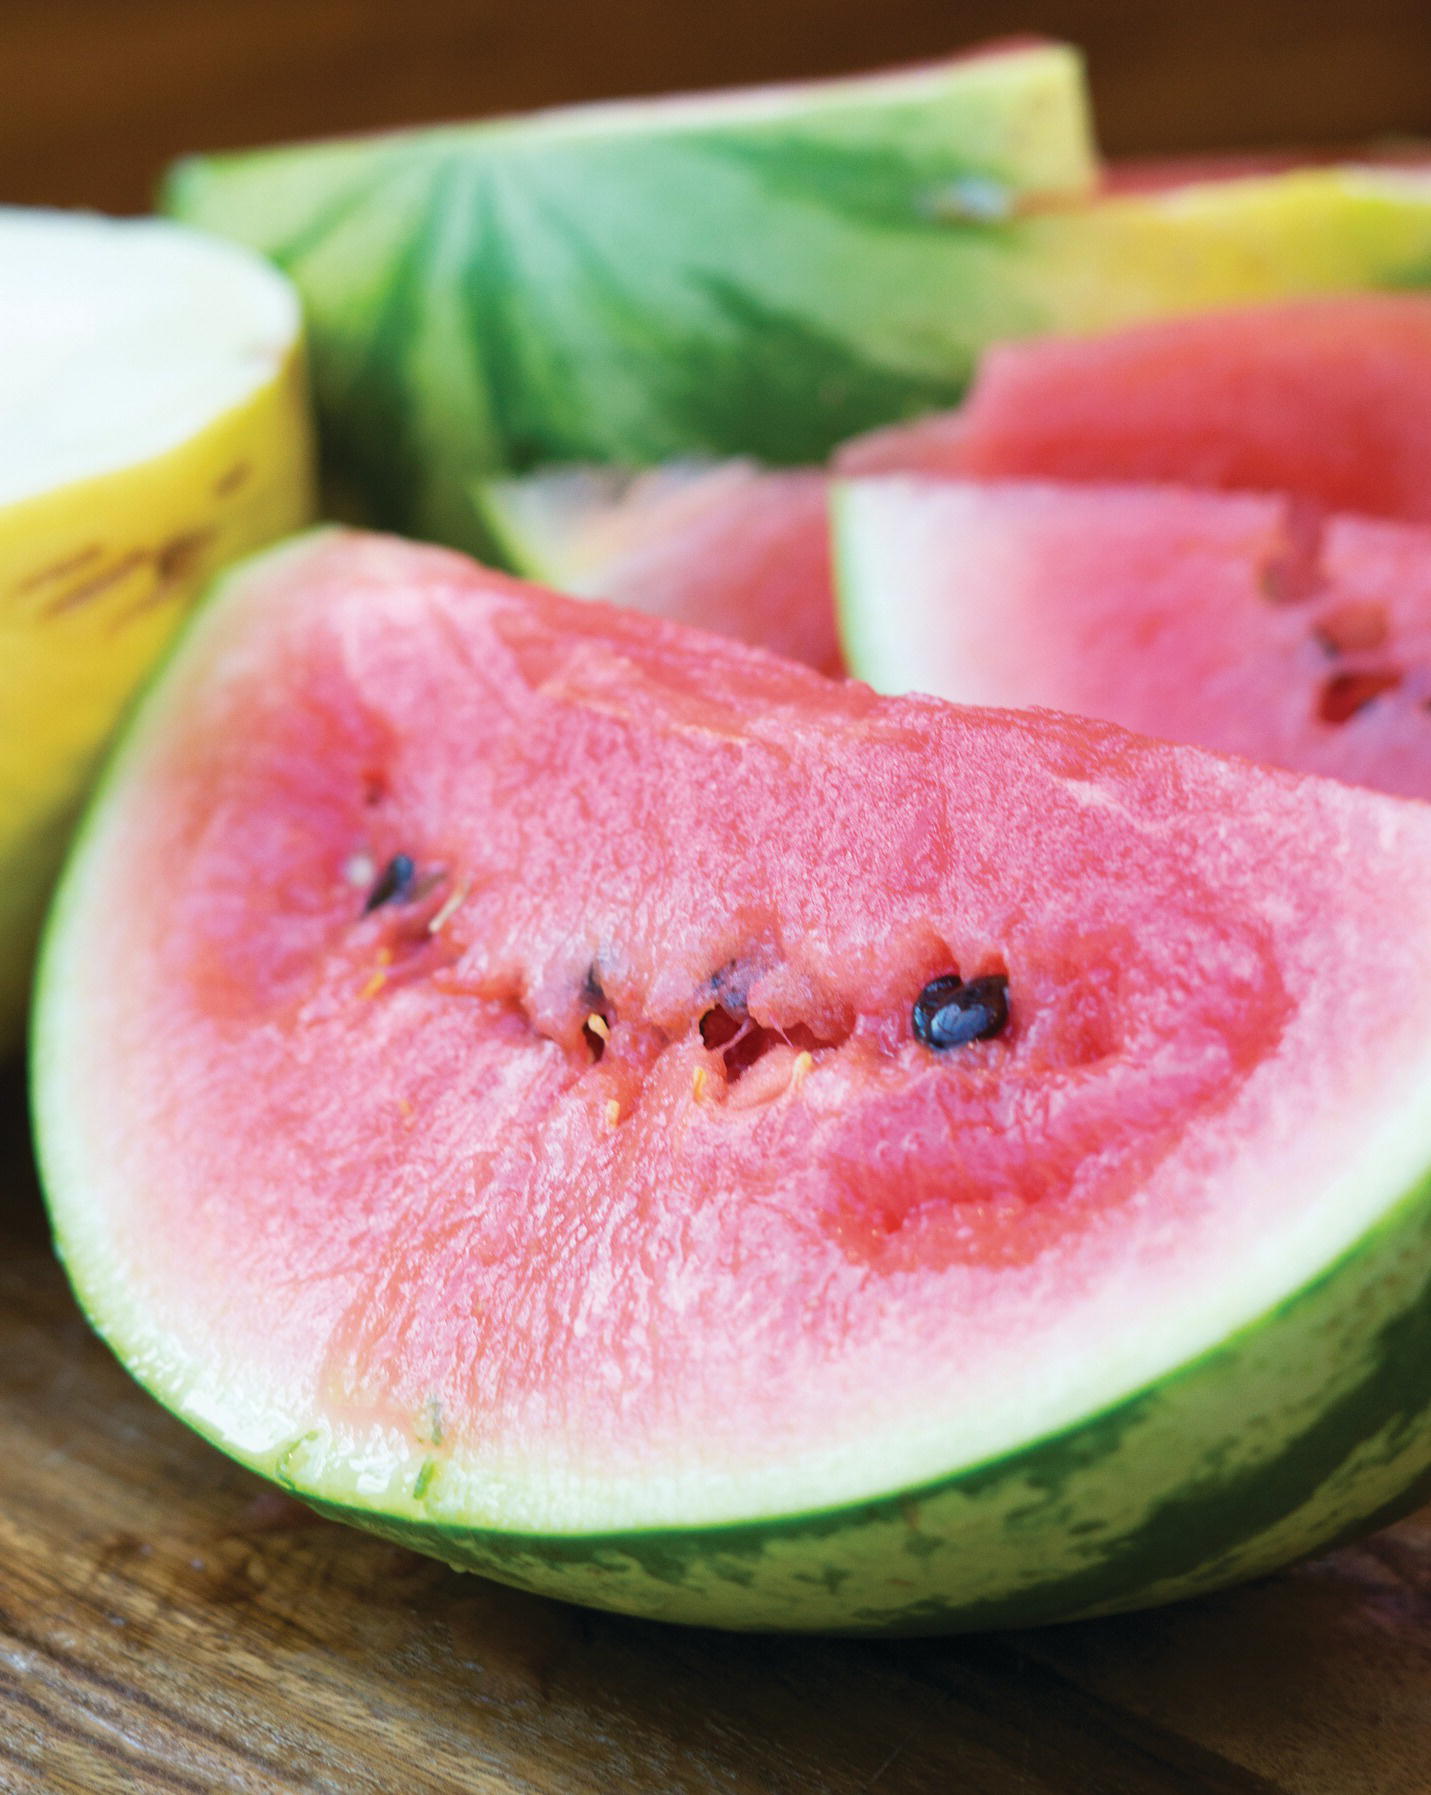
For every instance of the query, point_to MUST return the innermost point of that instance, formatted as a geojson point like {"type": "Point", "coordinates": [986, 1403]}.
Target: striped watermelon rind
{"type": "Point", "coordinates": [489, 298]}
{"type": "Point", "coordinates": [760, 272]}
{"type": "Point", "coordinates": [1306, 1428]}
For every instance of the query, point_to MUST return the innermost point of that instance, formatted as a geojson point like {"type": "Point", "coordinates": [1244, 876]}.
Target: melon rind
{"type": "Point", "coordinates": [1307, 1427]}
{"type": "Point", "coordinates": [1301, 1421]}
{"type": "Point", "coordinates": [726, 546]}
{"type": "Point", "coordinates": [1237, 240]}
{"type": "Point", "coordinates": [497, 297]}
{"type": "Point", "coordinates": [759, 272]}
{"type": "Point", "coordinates": [157, 425]}
{"type": "Point", "coordinates": [563, 526]}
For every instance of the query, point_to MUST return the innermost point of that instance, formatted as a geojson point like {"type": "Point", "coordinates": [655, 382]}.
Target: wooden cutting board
{"type": "Point", "coordinates": [167, 1623]}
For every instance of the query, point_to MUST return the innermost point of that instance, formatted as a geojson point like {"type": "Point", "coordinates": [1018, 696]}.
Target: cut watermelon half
{"type": "Point", "coordinates": [618, 1111]}
{"type": "Point", "coordinates": [1229, 620]}
{"type": "Point", "coordinates": [725, 546]}
{"type": "Point", "coordinates": [1326, 398]}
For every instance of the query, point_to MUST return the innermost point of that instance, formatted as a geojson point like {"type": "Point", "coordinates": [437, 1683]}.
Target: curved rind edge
{"type": "Point", "coordinates": [1305, 1427]}
{"type": "Point", "coordinates": [268, 435]}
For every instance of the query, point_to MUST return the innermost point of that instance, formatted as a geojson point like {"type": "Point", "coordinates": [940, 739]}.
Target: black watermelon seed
{"type": "Point", "coordinates": [394, 883]}
{"type": "Point", "coordinates": [949, 1013]}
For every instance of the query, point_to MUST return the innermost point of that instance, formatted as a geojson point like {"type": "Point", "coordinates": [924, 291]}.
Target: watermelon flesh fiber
{"type": "Point", "coordinates": [1329, 399]}
{"type": "Point", "coordinates": [1316, 400]}
{"type": "Point", "coordinates": [1231, 620]}
{"type": "Point", "coordinates": [605, 1228]}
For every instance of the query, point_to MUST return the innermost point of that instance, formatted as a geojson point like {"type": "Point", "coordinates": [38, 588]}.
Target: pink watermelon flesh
{"type": "Point", "coordinates": [1329, 399]}
{"type": "Point", "coordinates": [1220, 619]}
{"type": "Point", "coordinates": [596, 1138]}
{"type": "Point", "coordinates": [733, 549]}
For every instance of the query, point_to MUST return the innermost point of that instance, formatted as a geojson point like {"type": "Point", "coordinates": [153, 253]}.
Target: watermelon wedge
{"type": "Point", "coordinates": [1222, 619]}
{"type": "Point", "coordinates": [726, 546]}
{"type": "Point", "coordinates": [1327, 398]}
{"type": "Point", "coordinates": [631, 282]}
{"type": "Point", "coordinates": [623, 1113]}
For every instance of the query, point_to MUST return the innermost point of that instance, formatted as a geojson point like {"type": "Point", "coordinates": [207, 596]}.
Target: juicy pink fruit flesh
{"type": "Point", "coordinates": [386, 1167]}
{"type": "Point", "coordinates": [1329, 399]}
{"type": "Point", "coordinates": [1223, 619]}
{"type": "Point", "coordinates": [731, 548]}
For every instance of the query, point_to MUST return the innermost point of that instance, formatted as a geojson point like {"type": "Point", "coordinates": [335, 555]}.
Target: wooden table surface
{"type": "Point", "coordinates": [166, 1622]}
{"type": "Point", "coordinates": [169, 1623]}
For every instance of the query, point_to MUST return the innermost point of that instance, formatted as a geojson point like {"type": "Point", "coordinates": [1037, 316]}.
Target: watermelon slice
{"type": "Point", "coordinates": [621, 1112]}
{"type": "Point", "coordinates": [1215, 618]}
{"type": "Point", "coordinates": [631, 282]}
{"type": "Point", "coordinates": [726, 546]}
{"type": "Point", "coordinates": [1327, 398]}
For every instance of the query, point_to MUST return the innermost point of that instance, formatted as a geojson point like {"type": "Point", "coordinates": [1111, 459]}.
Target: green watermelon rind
{"type": "Point", "coordinates": [752, 273]}
{"type": "Point", "coordinates": [1301, 1428]}
{"type": "Point", "coordinates": [496, 297]}
{"type": "Point", "coordinates": [1142, 1503]}
{"type": "Point", "coordinates": [564, 526]}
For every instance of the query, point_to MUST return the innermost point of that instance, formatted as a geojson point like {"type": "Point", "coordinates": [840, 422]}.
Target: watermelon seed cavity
{"type": "Point", "coordinates": [394, 885]}
{"type": "Point", "coordinates": [742, 1042]}
{"type": "Point", "coordinates": [1356, 627]}
{"type": "Point", "coordinates": [1344, 694]}
{"type": "Point", "coordinates": [950, 1013]}
{"type": "Point", "coordinates": [739, 1041]}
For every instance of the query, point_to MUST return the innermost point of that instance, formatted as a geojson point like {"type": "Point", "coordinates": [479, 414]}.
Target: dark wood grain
{"type": "Point", "coordinates": [169, 1624]}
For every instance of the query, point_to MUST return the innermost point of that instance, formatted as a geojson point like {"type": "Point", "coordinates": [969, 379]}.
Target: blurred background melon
{"type": "Point", "coordinates": [153, 426]}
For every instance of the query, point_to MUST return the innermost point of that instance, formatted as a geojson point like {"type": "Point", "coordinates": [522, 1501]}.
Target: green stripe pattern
{"type": "Point", "coordinates": [739, 276]}
{"type": "Point", "coordinates": [750, 273]}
